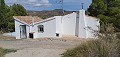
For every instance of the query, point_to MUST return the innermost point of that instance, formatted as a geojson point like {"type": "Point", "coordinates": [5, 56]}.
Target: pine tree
{"type": "Point", "coordinates": [97, 7]}
{"type": "Point", "coordinates": [3, 17]}
{"type": "Point", "coordinates": [19, 10]}
{"type": "Point", "coordinates": [107, 10]}
{"type": "Point", "coordinates": [7, 13]}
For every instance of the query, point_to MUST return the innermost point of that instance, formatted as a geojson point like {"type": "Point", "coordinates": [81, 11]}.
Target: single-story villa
{"type": "Point", "coordinates": [80, 25]}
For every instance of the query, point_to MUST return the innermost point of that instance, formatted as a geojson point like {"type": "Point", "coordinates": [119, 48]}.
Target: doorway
{"type": "Point", "coordinates": [77, 26]}
{"type": "Point", "coordinates": [23, 33]}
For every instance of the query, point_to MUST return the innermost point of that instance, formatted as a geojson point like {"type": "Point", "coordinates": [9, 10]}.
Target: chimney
{"type": "Point", "coordinates": [82, 13]}
{"type": "Point", "coordinates": [82, 24]}
{"type": "Point", "coordinates": [32, 21]}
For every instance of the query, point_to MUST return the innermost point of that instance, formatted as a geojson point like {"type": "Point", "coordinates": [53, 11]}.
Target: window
{"type": "Point", "coordinates": [57, 34]}
{"type": "Point", "coordinates": [40, 28]}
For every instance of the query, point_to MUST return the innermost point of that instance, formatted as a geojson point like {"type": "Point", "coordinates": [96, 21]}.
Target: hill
{"type": "Point", "coordinates": [46, 14]}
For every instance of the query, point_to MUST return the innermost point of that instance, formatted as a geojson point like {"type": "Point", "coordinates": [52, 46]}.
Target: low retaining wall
{"type": "Point", "coordinates": [11, 34]}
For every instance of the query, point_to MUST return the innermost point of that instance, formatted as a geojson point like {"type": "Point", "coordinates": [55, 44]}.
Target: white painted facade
{"type": "Point", "coordinates": [71, 24]}
{"type": "Point", "coordinates": [49, 29]}
{"type": "Point", "coordinates": [92, 25]}
{"type": "Point", "coordinates": [88, 26]}
{"type": "Point", "coordinates": [17, 28]}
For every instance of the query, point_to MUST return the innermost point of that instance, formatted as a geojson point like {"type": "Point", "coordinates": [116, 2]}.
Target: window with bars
{"type": "Point", "coordinates": [40, 28]}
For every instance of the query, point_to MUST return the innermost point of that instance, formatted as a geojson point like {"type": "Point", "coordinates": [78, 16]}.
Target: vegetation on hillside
{"type": "Point", "coordinates": [47, 14]}
{"type": "Point", "coordinates": [7, 13]}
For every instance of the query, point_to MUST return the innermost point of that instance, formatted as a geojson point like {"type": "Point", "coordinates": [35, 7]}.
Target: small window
{"type": "Point", "coordinates": [40, 28]}
{"type": "Point", "coordinates": [57, 34]}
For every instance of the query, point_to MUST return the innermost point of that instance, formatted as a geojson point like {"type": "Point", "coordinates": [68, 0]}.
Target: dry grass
{"type": "Point", "coordinates": [107, 46]}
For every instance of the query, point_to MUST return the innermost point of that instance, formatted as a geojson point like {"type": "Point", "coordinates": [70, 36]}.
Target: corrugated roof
{"type": "Point", "coordinates": [28, 19]}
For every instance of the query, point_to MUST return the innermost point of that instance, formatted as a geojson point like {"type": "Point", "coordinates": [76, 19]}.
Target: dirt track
{"type": "Point", "coordinates": [48, 47]}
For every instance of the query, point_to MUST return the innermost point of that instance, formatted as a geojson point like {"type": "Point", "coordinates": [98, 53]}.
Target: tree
{"type": "Point", "coordinates": [7, 13]}
{"type": "Point", "coordinates": [19, 10]}
{"type": "Point", "coordinates": [97, 7]}
{"type": "Point", "coordinates": [15, 10]}
{"type": "Point", "coordinates": [3, 13]}
{"type": "Point", "coordinates": [108, 11]}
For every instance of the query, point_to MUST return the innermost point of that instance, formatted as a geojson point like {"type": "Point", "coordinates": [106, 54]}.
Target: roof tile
{"type": "Point", "coordinates": [28, 19]}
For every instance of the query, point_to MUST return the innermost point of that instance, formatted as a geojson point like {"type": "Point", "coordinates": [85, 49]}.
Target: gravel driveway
{"type": "Point", "coordinates": [48, 47]}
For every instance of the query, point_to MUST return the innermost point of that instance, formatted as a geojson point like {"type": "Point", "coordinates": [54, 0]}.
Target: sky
{"type": "Point", "coordinates": [38, 5]}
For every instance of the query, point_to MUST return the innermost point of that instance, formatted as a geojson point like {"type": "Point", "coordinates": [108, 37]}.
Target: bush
{"type": "Point", "coordinates": [1, 52]}
{"type": "Point", "coordinates": [107, 46]}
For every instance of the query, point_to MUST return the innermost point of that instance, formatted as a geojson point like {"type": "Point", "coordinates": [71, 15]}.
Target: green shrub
{"type": "Point", "coordinates": [1, 52]}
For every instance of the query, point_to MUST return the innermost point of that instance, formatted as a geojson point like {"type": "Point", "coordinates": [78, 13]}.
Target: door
{"type": "Point", "coordinates": [77, 26]}
{"type": "Point", "coordinates": [23, 33]}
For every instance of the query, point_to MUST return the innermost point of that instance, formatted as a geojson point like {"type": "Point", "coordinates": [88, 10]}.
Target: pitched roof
{"type": "Point", "coordinates": [28, 19]}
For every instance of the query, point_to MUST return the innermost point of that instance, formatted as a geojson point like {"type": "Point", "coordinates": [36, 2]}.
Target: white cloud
{"type": "Point", "coordinates": [77, 1]}
{"type": "Point", "coordinates": [40, 3]}
{"type": "Point", "coordinates": [32, 1]}
{"type": "Point", "coordinates": [37, 3]}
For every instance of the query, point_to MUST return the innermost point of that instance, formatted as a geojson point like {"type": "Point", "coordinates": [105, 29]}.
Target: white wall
{"type": "Point", "coordinates": [59, 25]}
{"type": "Point", "coordinates": [69, 24]}
{"type": "Point", "coordinates": [27, 30]}
{"type": "Point", "coordinates": [87, 25]}
{"type": "Point", "coordinates": [92, 26]}
{"type": "Point", "coordinates": [17, 29]}
{"type": "Point", "coordinates": [49, 29]}
{"type": "Point", "coordinates": [11, 34]}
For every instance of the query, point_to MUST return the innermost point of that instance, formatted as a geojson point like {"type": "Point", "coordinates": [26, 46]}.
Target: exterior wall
{"type": "Point", "coordinates": [11, 34]}
{"type": "Point", "coordinates": [77, 26]}
{"type": "Point", "coordinates": [69, 24]}
{"type": "Point", "coordinates": [17, 29]}
{"type": "Point", "coordinates": [49, 29]}
{"type": "Point", "coordinates": [87, 25]}
{"type": "Point", "coordinates": [59, 25]}
{"type": "Point", "coordinates": [82, 24]}
{"type": "Point", "coordinates": [27, 30]}
{"type": "Point", "coordinates": [92, 26]}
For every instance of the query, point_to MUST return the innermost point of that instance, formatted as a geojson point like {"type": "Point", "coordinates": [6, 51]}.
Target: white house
{"type": "Point", "coordinates": [79, 25]}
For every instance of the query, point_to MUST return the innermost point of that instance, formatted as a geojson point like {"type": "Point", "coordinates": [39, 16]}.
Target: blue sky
{"type": "Point", "coordinates": [38, 5]}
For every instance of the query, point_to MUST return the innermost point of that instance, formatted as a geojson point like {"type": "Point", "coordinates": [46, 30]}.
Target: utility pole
{"type": "Point", "coordinates": [61, 2]}
{"type": "Point", "coordinates": [62, 8]}
{"type": "Point", "coordinates": [82, 5]}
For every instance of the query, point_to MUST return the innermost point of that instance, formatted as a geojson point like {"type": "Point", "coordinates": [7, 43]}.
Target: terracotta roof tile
{"type": "Point", "coordinates": [28, 19]}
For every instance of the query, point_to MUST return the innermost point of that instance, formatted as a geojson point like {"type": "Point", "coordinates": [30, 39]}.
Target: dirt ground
{"type": "Point", "coordinates": [45, 47]}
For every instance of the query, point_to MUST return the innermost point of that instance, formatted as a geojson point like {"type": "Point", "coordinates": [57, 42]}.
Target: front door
{"type": "Point", "coordinates": [23, 31]}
